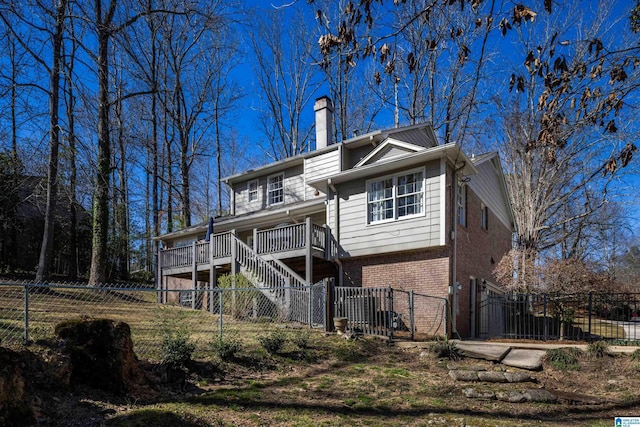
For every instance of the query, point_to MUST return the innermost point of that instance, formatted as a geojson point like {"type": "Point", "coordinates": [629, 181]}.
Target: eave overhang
{"type": "Point", "coordinates": [451, 151]}
{"type": "Point", "coordinates": [263, 218]}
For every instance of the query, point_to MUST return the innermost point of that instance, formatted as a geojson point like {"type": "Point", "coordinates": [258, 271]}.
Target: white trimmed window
{"type": "Point", "coordinates": [252, 187]}
{"type": "Point", "coordinates": [462, 204]}
{"type": "Point", "coordinates": [275, 189]}
{"type": "Point", "coordinates": [395, 197]}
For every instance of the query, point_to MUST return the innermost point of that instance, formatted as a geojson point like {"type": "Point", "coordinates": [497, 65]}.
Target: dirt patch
{"type": "Point", "coordinates": [336, 382]}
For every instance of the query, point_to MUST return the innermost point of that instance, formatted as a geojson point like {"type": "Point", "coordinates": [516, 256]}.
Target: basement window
{"type": "Point", "coordinates": [186, 298]}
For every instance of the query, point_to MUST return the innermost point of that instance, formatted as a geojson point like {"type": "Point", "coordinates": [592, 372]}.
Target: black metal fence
{"type": "Point", "coordinates": [580, 316]}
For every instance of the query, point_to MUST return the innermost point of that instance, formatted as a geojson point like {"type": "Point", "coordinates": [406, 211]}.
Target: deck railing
{"type": "Point", "coordinates": [177, 257]}
{"type": "Point", "coordinates": [280, 239]}
{"type": "Point", "coordinates": [264, 275]}
{"type": "Point", "coordinates": [318, 237]}
{"type": "Point", "coordinates": [221, 245]}
{"type": "Point", "coordinates": [274, 240]}
{"type": "Point", "coordinates": [183, 256]}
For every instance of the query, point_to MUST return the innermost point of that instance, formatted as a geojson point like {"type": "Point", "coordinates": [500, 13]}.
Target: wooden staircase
{"type": "Point", "coordinates": [272, 277]}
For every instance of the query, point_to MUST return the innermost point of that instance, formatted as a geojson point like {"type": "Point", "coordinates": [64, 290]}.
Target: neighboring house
{"type": "Point", "coordinates": [22, 210]}
{"type": "Point", "coordinates": [388, 208]}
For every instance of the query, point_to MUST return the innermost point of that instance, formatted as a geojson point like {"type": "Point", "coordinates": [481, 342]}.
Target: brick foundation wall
{"type": "Point", "coordinates": [478, 252]}
{"type": "Point", "coordinates": [426, 272]}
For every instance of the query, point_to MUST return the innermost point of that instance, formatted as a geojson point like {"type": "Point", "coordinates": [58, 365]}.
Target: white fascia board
{"type": "Point", "coordinates": [387, 142]}
{"type": "Point", "coordinates": [451, 151]}
{"type": "Point", "coordinates": [265, 217]}
{"type": "Point", "coordinates": [269, 169]}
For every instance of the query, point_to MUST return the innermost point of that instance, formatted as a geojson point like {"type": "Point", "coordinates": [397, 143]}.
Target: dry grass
{"type": "Point", "coordinates": [328, 381]}
{"type": "Point", "coordinates": [335, 382]}
{"type": "Point", "coordinates": [148, 319]}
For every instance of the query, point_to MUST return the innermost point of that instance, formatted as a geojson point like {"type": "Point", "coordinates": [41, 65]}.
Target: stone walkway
{"type": "Point", "coordinates": [526, 356]}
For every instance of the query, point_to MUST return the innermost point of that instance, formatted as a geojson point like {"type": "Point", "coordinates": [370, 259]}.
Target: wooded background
{"type": "Point", "coordinates": [119, 117]}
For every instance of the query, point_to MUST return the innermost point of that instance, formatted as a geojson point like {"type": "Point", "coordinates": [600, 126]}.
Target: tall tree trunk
{"type": "Point", "coordinates": [122, 212]}
{"type": "Point", "coordinates": [73, 213]}
{"type": "Point", "coordinates": [98, 274]}
{"type": "Point", "coordinates": [15, 160]}
{"type": "Point", "coordinates": [169, 170]}
{"type": "Point", "coordinates": [54, 143]}
{"type": "Point", "coordinates": [154, 159]}
{"type": "Point", "coordinates": [218, 161]}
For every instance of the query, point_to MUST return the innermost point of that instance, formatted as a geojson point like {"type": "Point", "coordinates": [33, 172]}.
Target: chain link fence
{"type": "Point", "coordinates": [29, 312]}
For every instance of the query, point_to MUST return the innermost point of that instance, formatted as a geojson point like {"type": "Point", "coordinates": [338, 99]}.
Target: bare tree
{"type": "Point", "coordinates": [340, 48]}
{"type": "Point", "coordinates": [287, 80]}
{"type": "Point", "coordinates": [558, 174]}
{"type": "Point", "coordinates": [70, 102]}
{"type": "Point", "coordinates": [55, 33]}
{"type": "Point", "coordinates": [107, 21]}
{"type": "Point", "coordinates": [196, 56]}
{"type": "Point", "coordinates": [144, 61]}
{"type": "Point", "coordinates": [439, 64]}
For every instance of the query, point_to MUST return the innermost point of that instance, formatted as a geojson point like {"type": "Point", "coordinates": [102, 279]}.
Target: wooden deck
{"type": "Point", "coordinates": [290, 242]}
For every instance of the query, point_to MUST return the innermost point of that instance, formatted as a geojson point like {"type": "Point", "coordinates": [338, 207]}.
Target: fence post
{"type": "Point", "coordinates": [220, 296]}
{"type": "Point", "coordinates": [544, 316]}
{"type": "Point", "coordinates": [590, 310]}
{"type": "Point", "coordinates": [411, 313]}
{"type": "Point", "coordinates": [330, 309]}
{"type": "Point", "coordinates": [390, 305]}
{"type": "Point", "coordinates": [310, 308]}
{"type": "Point", "coordinates": [194, 275]}
{"type": "Point", "coordinates": [26, 315]}
{"type": "Point", "coordinates": [287, 298]}
{"type": "Point", "coordinates": [445, 313]}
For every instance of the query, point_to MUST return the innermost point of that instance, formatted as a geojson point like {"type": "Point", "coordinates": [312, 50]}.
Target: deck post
{"type": "Point", "coordinates": [255, 240]}
{"type": "Point", "coordinates": [212, 272]}
{"type": "Point", "coordinates": [159, 273]}
{"type": "Point", "coordinates": [309, 251]}
{"type": "Point", "coordinates": [234, 266]}
{"type": "Point", "coordinates": [194, 275]}
{"type": "Point", "coordinates": [309, 263]}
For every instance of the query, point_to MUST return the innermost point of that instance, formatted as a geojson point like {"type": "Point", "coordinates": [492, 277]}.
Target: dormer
{"type": "Point", "coordinates": [389, 149]}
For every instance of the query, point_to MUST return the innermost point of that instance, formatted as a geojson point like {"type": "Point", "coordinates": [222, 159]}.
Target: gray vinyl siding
{"type": "Point", "coordinates": [294, 189]}
{"type": "Point", "coordinates": [486, 184]}
{"type": "Point", "coordinates": [415, 136]}
{"type": "Point", "coordinates": [294, 186]}
{"type": "Point", "coordinates": [321, 166]}
{"type": "Point", "coordinates": [242, 196]}
{"type": "Point", "coordinates": [391, 152]}
{"type": "Point", "coordinates": [358, 238]}
{"type": "Point", "coordinates": [357, 154]}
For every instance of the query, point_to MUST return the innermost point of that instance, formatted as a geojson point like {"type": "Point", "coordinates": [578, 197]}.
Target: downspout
{"type": "Point", "coordinates": [336, 229]}
{"type": "Point", "coordinates": [334, 238]}
{"type": "Point", "coordinates": [454, 251]}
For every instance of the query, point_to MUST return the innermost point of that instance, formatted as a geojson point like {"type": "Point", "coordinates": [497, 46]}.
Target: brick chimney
{"type": "Point", "coordinates": [324, 122]}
